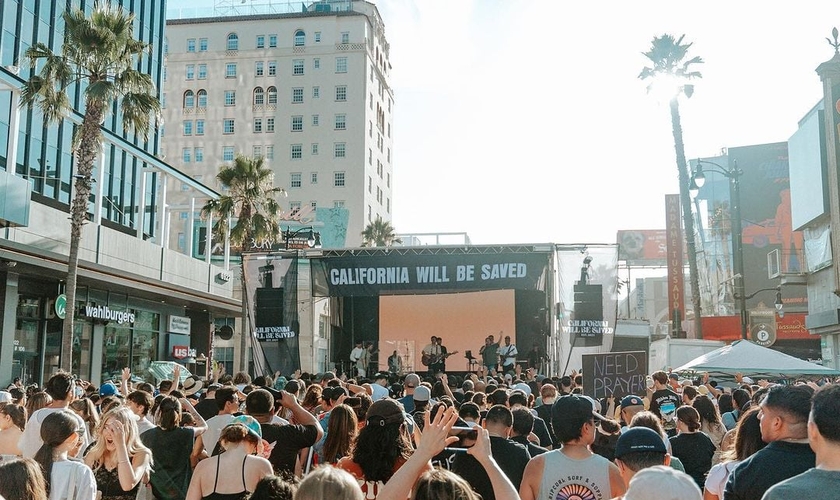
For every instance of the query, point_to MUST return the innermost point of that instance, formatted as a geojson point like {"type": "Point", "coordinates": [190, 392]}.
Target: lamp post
{"type": "Point", "coordinates": [698, 179]}
{"type": "Point", "coordinates": [313, 239]}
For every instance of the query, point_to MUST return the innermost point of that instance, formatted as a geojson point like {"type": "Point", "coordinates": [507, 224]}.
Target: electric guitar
{"type": "Point", "coordinates": [433, 359]}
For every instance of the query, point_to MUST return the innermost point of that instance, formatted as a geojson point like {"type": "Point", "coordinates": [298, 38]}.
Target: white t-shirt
{"type": "Point", "coordinates": [718, 475]}
{"type": "Point", "coordinates": [68, 474]}
{"type": "Point", "coordinates": [30, 441]}
{"type": "Point", "coordinates": [356, 354]}
{"type": "Point", "coordinates": [214, 430]}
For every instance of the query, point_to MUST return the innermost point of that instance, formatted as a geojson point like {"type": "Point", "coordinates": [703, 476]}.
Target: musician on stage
{"type": "Point", "coordinates": [508, 353]}
{"type": "Point", "coordinates": [358, 358]}
{"type": "Point", "coordinates": [536, 356]}
{"type": "Point", "coordinates": [489, 353]}
{"type": "Point", "coordinates": [395, 364]}
{"type": "Point", "coordinates": [432, 355]}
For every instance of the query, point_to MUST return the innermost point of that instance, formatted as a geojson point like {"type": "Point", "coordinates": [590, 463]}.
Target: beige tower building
{"type": "Point", "coordinates": [308, 90]}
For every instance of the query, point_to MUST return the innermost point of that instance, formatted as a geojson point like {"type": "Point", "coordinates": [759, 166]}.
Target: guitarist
{"type": "Point", "coordinates": [433, 356]}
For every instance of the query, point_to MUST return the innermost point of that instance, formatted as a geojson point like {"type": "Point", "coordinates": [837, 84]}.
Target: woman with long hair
{"type": "Point", "coordinates": [747, 442]}
{"type": "Point", "coordinates": [119, 459]}
{"type": "Point", "coordinates": [381, 448]}
{"type": "Point", "coordinates": [710, 423]}
{"type": "Point", "coordinates": [725, 403]}
{"type": "Point", "coordinates": [22, 479]}
{"type": "Point", "coordinates": [234, 474]}
{"type": "Point", "coordinates": [480, 399]}
{"type": "Point", "coordinates": [312, 398]}
{"type": "Point", "coordinates": [341, 433]}
{"type": "Point", "coordinates": [12, 422]}
{"type": "Point", "coordinates": [694, 448]}
{"type": "Point", "coordinates": [64, 478]}
{"type": "Point", "coordinates": [37, 401]}
{"type": "Point", "coordinates": [87, 410]}
{"type": "Point", "coordinates": [171, 447]}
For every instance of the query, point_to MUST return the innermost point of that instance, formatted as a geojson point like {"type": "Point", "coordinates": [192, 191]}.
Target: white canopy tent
{"type": "Point", "coordinates": [752, 360]}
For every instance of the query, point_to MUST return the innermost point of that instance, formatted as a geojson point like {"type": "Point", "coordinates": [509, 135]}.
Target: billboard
{"type": "Point", "coordinates": [643, 247]}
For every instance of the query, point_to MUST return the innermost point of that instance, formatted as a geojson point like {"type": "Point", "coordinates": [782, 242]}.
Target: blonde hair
{"type": "Point", "coordinates": [441, 484]}
{"type": "Point", "coordinates": [662, 482]}
{"type": "Point", "coordinates": [125, 416]}
{"type": "Point", "coordinates": [329, 482]}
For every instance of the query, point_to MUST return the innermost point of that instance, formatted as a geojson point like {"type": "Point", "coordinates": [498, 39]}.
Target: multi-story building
{"type": "Point", "coordinates": [308, 91]}
{"type": "Point", "coordinates": [161, 303]}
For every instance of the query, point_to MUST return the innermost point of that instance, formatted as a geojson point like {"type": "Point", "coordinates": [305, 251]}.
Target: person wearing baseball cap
{"type": "Point", "coordinates": [630, 406]}
{"type": "Point", "coordinates": [637, 449]}
{"type": "Point", "coordinates": [411, 382]}
{"type": "Point", "coordinates": [572, 468]}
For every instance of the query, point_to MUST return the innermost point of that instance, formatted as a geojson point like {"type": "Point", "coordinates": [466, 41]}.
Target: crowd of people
{"type": "Point", "coordinates": [487, 435]}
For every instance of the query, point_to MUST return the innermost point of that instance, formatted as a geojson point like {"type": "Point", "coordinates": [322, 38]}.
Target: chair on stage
{"type": "Point", "coordinates": [472, 363]}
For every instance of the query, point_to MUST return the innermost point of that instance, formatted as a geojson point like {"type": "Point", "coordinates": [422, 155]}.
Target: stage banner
{"type": "Point", "coordinates": [430, 273]}
{"type": "Point", "coordinates": [273, 325]}
{"type": "Point", "coordinates": [614, 374]}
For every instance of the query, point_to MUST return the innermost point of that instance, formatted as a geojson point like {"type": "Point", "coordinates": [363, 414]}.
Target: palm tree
{"type": "Point", "coordinates": [379, 233]}
{"type": "Point", "coordinates": [668, 56]}
{"type": "Point", "coordinates": [100, 54]}
{"type": "Point", "coordinates": [252, 203]}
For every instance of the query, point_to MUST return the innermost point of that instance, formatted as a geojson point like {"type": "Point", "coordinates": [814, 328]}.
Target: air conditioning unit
{"type": "Point", "coordinates": [774, 264]}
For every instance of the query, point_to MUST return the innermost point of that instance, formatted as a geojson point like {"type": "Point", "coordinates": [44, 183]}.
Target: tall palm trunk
{"type": "Point", "coordinates": [688, 218]}
{"type": "Point", "coordinates": [89, 141]}
{"type": "Point", "coordinates": [245, 333]}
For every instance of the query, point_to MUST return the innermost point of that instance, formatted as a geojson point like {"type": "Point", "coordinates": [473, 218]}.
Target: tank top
{"type": "Point", "coordinates": [243, 495]}
{"type": "Point", "coordinates": [108, 482]}
{"type": "Point", "coordinates": [566, 478]}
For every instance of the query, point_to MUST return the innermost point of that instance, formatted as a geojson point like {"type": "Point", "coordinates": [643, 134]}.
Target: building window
{"type": "Point", "coordinates": [316, 120]}
{"type": "Point", "coordinates": [272, 41]}
{"type": "Point", "coordinates": [199, 155]}
{"type": "Point", "coordinates": [297, 151]}
{"type": "Point", "coordinates": [341, 65]}
{"type": "Point", "coordinates": [230, 98]}
{"type": "Point", "coordinates": [269, 152]}
{"type": "Point", "coordinates": [164, 73]}
{"type": "Point", "coordinates": [345, 37]}
{"type": "Point", "coordinates": [260, 68]}
{"type": "Point", "coordinates": [341, 122]}
{"type": "Point", "coordinates": [295, 180]}
{"type": "Point", "coordinates": [257, 152]}
{"type": "Point", "coordinates": [190, 44]}
{"type": "Point", "coordinates": [316, 64]}
{"type": "Point", "coordinates": [227, 126]}
{"type": "Point", "coordinates": [257, 125]}
{"type": "Point", "coordinates": [313, 204]}
{"type": "Point", "coordinates": [230, 70]}
{"type": "Point", "coordinates": [188, 127]}
{"type": "Point", "coordinates": [316, 92]}
{"type": "Point", "coordinates": [313, 178]}
{"type": "Point", "coordinates": [338, 179]}
{"type": "Point", "coordinates": [190, 71]}
{"type": "Point", "coordinates": [297, 95]}
{"type": "Point", "coordinates": [202, 45]}
{"type": "Point", "coordinates": [370, 214]}
{"type": "Point", "coordinates": [317, 37]}
{"type": "Point", "coordinates": [300, 38]}
{"type": "Point", "coordinates": [202, 98]}
{"type": "Point", "coordinates": [341, 93]}
{"type": "Point", "coordinates": [189, 99]}
{"type": "Point", "coordinates": [260, 41]}
{"type": "Point", "coordinates": [233, 41]}
{"type": "Point", "coordinates": [297, 124]}
{"type": "Point", "coordinates": [294, 206]}
{"type": "Point", "coordinates": [388, 205]}
{"type": "Point", "coordinates": [163, 100]}
{"type": "Point", "coordinates": [272, 68]}
{"type": "Point", "coordinates": [259, 96]}
{"type": "Point", "coordinates": [272, 95]}
{"type": "Point", "coordinates": [269, 124]}
{"type": "Point", "coordinates": [297, 67]}
{"type": "Point", "coordinates": [186, 155]}
{"type": "Point", "coordinates": [199, 127]}
{"type": "Point", "coordinates": [202, 71]}
{"type": "Point", "coordinates": [224, 355]}
{"type": "Point", "coordinates": [388, 179]}
{"type": "Point", "coordinates": [227, 153]}
{"type": "Point", "coordinates": [340, 150]}
{"type": "Point", "coordinates": [315, 149]}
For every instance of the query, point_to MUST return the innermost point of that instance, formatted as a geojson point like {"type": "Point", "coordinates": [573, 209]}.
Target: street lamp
{"type": "Point", "coordinates": [779, 305]}
{"type": "Point", "coordinates": [698, 179]}
{"type": "Point", "coordinates": [313, 238]}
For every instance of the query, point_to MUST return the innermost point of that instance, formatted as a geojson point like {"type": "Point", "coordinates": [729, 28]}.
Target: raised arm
{"type": "Point", "coordinates": [200, 425]}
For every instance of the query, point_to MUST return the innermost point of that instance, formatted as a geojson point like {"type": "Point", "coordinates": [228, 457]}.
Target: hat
{"type": "Point", "coordinates": [191, 386]}
{"type": "Point", "coordinates": [412, 380]}
{"type": "Point", "coordinates": [685, 382]}
{"type": "Point", "coordinates": [250, 423]}
{"type": "Point", "coordinates": [673, 376]}
{"type": "Point", "coordinates": [385, 411]}
{"type": "Point", "coordinates": [522, 386]}
{"type": "Point", "coordinates": [631, 400]}
{"type": "Point", "coordinates": [107, 389]}
{"type": "Point", "coordinates": [639, 439]}
{"type": "Point", "coordinates": [422, 393]}
{"type": "Point", "coordinates": [574, 407]}
{"type": "Point", "coordinates": [6, 397]}
{"type": "Point", "coordinates": [747, 380]}
{"type": "Point", "coordinates": [702, 389]}
{"type": "Point", "coordinates": [540, 378]}
{"type": "Point", "coordinates": [508, 377]}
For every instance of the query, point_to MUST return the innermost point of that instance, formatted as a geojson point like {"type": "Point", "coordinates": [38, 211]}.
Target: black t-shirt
{"type": "Point", "coordinates": [171, 452]}
{"type": "Point", "coordinates": [285, 441]}
{"type": "Point", "coordinates": [772, 464]}
{"type": "Point", "coordinates": [207, 408]}
{"type": "Point", "coordinates": [695, 451]}
{"type": "Point", "coordinates": [512, 458]}
{"type": "Point", "coordinates": [664, 404]}
{"type": "Point", "coordinates": [544, 412]}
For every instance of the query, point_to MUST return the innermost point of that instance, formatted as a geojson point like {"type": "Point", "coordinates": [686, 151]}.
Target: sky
{"type": "Point", "coordinates": [524, 121]}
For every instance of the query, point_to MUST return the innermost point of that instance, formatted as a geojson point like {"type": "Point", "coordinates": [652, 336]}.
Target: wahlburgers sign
{"type": "Point", "coordinates": [105, 313]}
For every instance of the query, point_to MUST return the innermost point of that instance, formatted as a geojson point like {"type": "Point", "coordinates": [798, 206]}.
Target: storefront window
{"type": "Point", "coordinates": [224, 357]}
{"type": "Point", "coordinates": [52, 348]}
{"type": "Point", "coordinates": [82, 348]}
{"type": "Point", "coordinates": [115, 355]}
{"type": "Point", "coordinates": [26, 360]}
{"type": "Point", "coordinates": [130, 345]}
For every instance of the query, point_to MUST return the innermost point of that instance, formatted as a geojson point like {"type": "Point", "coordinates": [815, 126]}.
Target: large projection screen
{"type": "Point", "coordinates": [463, 320]}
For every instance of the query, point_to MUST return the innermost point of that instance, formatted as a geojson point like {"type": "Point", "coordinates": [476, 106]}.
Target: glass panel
{"type": "Point", "coordinates": [26, 360]}
{"type": "Point", "coordinates": [82, 348]}
{"type": "Point", "coordinates": [115, 355]}
{"type": "Point", "coordinates": [144, 351]}
{"type": "Point", "coordinates": [52, 349]}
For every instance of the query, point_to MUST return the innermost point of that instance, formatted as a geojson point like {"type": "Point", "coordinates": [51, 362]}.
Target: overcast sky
{"type": "Point", "coordinates": [521, 121]}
